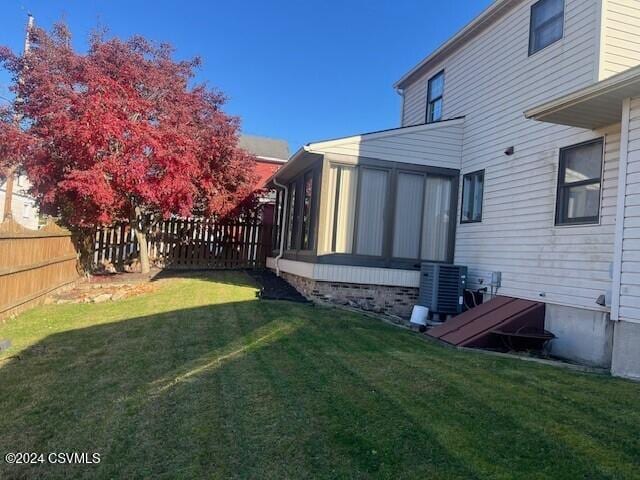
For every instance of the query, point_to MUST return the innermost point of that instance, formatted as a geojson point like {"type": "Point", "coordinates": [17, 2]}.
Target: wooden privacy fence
{"type": "Point", "coordinates": [184, 243]}
{"type": "Point", "coordinates": [33, 263]}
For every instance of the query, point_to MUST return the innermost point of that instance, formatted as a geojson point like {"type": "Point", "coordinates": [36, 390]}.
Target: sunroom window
{"type": "Point", "coordinates": [340, 218]}
{"type": "Point", "coordinates": [438, 218]}
{"type": "Point", "coordinates": [388, 216]}
{"type": "Point", "coordinates": [422, 217]}
{"type": "Point", "coordinates": [292, 218]}
{"type": "Point", "coordinates": [371, 206]}
{"type": "Point", "coordinates": [307, 230]}
{"type": "Point", "coordinates": [408, 215]}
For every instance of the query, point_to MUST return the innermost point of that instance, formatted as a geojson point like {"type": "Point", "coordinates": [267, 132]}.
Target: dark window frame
{"type": "Point", "coordinates": [532, 28]}
{"type": "Point", "coordinates": [386, 259]}
{"type": "Point", "coordinates": [431, 101]}
{"type": "Point", "coordinates": [385, 214]}
{"type": "Point", "coordinates": [297, 235]}
{"type": "Point", "coordinates": [424, 176]}
{"type": "Point", "coordinates": [291, 239]}
{"type": "Point", "coordinates": [278, 216]}
{"type": "Point", "coordinates": [307, 231]}
{"type": "Point", "coordinates": [561, 218]}
{"type": "Point", "coordinates": [464, 177]}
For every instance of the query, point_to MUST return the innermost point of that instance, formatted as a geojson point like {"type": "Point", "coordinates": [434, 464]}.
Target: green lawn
{"type": "Point", "coordinates": [201, 380]}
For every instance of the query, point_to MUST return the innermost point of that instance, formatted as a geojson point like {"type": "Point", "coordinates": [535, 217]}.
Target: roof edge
{"type": "Point", "coordinates": [386, 133]}
{"type": "Point", "coordinates": [607, 85]}
{"type": "Point", "coordinates": [475, 26]}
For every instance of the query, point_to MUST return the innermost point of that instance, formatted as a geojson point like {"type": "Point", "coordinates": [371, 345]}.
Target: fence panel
{"type": "Point", "coordinates": [33, 263]}
{"type": "Point", "coordinates": [190, 243]}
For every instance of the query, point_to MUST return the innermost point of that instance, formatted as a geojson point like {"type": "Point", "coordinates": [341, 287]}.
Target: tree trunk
{"type": "Point", "coordinates": [141, 236]}
{"type": "Point", "coordinates": [8, 194]}
{"type": "Point", "coordinates": [84, 241]}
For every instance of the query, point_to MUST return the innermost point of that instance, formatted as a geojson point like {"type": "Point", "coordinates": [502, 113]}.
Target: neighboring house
{"type": "Point", "coordinates": [270, 153]}
{"type": "Point", "coordinates": [550, 198]}
{"type": "Point", "coordinates": [23, 208]}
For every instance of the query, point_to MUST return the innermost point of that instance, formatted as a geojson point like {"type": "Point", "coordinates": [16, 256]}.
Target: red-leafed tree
{"type": "Point", "coordinates": [119, 133]}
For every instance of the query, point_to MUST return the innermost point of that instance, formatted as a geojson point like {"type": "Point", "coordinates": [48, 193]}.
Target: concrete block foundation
{"type": "Point", "coordinates": [583, 336]}
{"type": "Point", "coordinates": [626, 350]}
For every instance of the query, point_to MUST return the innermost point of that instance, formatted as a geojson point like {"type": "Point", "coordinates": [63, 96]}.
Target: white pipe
{"type": "Point", "coordinates": [283, 222]}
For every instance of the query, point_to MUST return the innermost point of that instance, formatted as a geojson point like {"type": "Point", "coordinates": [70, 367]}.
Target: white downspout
{"type": "Point", "coordinates": [283, 222]}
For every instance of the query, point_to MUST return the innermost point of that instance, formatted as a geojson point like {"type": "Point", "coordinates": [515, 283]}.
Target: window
{"type": "Point", "coordinates": [278, 216]}
{"type": "Point", "coordinates": [388, 216]}
{"type": "Point", "coordinates": [423, 217]}
{"type": "Point", "coordinates": [340, 213]}
{"type": "Point", "coordinates": [579, 183]}
{"type": "Point", "coordinates": [292, 218]}
{"type": "Point", "coordinates": [408, 215]}
{"type": "Point", "coordinates": [436, 227]}
{"type": "Point", "coordinates": [547, 24]}
{"type": "Point", "coordinates": [435, 90]}
{"type": "Point", "coordinates": [299, 217]}
{"type": "Point", "coordinates": [472, 191]}
{"type": "Point", "coordinates": [307, 231]}
{"type": "Point", "coordinates": [371, 205]}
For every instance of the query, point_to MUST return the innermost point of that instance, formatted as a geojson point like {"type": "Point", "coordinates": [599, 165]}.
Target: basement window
{"type": "Point", "coordinates": [472, 192]}
{"type": "Point", "coordinates": [435, 91]}
{"type": "Point", "coordinates": [579, 184]}
{"type": "Point", "coordinates": [547, 24]}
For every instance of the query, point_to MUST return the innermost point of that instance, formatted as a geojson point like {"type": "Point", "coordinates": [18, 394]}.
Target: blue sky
{"type": "Point", "coordinates": [301, 70]}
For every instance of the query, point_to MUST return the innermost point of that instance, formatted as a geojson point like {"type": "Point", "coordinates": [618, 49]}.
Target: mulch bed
{"type": "Point", "coordinates": [273, 287]}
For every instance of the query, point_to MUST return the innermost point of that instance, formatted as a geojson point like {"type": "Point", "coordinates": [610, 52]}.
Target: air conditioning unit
{"type": "Point", "coordinates": [442, 288]}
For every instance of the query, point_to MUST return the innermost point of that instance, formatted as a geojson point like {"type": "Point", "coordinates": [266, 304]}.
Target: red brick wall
{"type": "Point", "coordinates": [265, 169]}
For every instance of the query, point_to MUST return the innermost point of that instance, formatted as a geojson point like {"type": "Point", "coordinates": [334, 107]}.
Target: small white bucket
{"type": "Point", "coordinates": [419, 315]}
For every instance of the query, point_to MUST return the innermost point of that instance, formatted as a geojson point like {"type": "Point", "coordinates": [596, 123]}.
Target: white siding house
{"type": "Point", "coordinates": [620, 36]}
{"type": "Point", "coordinates": [23, 207]}
{"type": "Point", "coordinates": [569, 65]}
{"type": "Point", "coordinates": [630, 270]}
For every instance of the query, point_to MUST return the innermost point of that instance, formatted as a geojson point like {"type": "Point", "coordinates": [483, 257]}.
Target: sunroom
{"type": "Point", "coordinates": [368, 209]}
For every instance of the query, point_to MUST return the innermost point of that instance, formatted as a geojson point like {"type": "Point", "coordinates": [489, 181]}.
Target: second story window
{"type": "Point", "coordinates": [435, 90]}
{"type": "Point", "coordinates": [547, 24]}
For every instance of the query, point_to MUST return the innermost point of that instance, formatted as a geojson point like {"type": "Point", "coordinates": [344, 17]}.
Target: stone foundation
{"type": "Point", "coordinates": [381, 299]}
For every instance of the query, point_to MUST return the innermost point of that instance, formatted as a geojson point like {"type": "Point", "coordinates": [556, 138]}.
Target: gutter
{"type": "Point", "coordinates": [283, 223]}
{"type": "Point", "coordinates": [274, 179]}
{"type": "Point", "coordinates": [285, 166]}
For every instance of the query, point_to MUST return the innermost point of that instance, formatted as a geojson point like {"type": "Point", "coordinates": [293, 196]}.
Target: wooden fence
{"type": "Point", "coordinates": [190, 243]}
{"type": "Point", "coordinates": [33, 263]}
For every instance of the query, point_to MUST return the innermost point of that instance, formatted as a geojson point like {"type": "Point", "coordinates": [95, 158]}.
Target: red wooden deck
{"type": "Point", "coordinates": [474, 327]}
